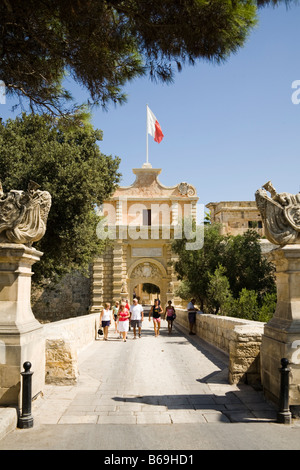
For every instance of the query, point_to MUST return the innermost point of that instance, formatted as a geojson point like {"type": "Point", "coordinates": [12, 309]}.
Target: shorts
{"type": "Point", "coordinates": [170, 318]}
{"type": "Point", "coordinates": [136, 323]}
{"type": "Point", "coordinates": [115, 317]}
{"type": "Point", "coordinates": [157, 319]}
{"type": "Point", "coordinates": [105, 323]}
{"type": "Point", "coordinates": [192, 317]}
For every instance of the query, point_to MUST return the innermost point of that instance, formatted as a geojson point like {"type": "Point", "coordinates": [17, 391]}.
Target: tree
{"type": "Point", "coordinates": [195, 266]}
{"type": "Point", "coordinates": [218, 290]}
{"type": "Point", "coordinates": [68, 164]}
{"type": "Point", "coordinates": [102, 44]}
{"type": "Point", "coordinates": [216, 274]}
{"type": "Point", "coordinates": [245, 265]}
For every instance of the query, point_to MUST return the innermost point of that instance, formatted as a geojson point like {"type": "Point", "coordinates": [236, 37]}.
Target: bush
{"type": "Point", "coordinates": [268, 307]}
{"type": "Point", "coordinates": [247, 306]}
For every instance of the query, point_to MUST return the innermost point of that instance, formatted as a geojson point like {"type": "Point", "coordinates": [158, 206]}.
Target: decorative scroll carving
{"type": "Point", "coordinates": [186, 189]}
{"type": "Point", "coordinates": [280, 214]}
{"type": "Point", "coordinates": [23, 214]}
{"type": "Point", "coordinates": [146, 270]}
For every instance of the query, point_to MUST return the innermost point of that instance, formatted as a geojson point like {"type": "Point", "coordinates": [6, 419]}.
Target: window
{"type": "Point", "coordinates": [254, 224]}
{"type": "Point", "coordinates": [146, 216]}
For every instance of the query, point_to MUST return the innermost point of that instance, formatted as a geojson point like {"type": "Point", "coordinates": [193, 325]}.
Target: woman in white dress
{"type": "Point", "coordinates": [105, 320]}
{"type": "Point", "coordinates": [123, 320]}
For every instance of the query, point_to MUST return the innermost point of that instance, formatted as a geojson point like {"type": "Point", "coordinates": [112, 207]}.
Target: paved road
{"type": "Point", "coordinates": [163, 393]}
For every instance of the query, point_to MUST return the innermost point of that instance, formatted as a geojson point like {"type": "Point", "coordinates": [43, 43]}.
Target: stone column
{"type": "Point", "coordinates": [21, 335]}
{"type": "Point", "coordinates": [97, 285]}
{"type": "Point", "coordinates": [117, 270]}
{"type": "Point", "coordinates": [281, 336]}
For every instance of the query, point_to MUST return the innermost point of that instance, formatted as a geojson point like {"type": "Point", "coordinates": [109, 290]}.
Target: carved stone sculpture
{"type": "Point", "coordinates": [186, 189]}
{"type": "Point", "coordinates": [23, 215]}
{"type": "Point", "coordinates": [280, 214]}
{"type": "Point", "coordinates": [145, 270]}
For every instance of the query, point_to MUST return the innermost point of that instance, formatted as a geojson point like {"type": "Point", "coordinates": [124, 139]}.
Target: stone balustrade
{"type": "Point", "coordinates": [239, 338]}
{"type": "Point", "coordinates": [64, 339]}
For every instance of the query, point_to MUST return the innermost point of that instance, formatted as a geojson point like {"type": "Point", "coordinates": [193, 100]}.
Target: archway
{"type": "Point", "coordinates": [145, 272]}
{"type": "Point", "coordinates": [146, 293]}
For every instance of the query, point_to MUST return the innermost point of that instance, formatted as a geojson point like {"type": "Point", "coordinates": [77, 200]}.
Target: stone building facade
{"type": "Point", "coordinates": [236, 217]}
{"type": "Point", "coordinates": [140, 222]}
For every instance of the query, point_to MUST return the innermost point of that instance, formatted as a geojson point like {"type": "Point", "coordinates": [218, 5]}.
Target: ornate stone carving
{"type": "Point", "coordinates": [23, 215]}
{"type": "Point", "coordinates": [280, 214]}
{"type": "Point", "coordinates": [146, 270]}
{"type": "Point", "coordinates": [186, 189]}
{"type": "Point", "coordinates": [124, 288]}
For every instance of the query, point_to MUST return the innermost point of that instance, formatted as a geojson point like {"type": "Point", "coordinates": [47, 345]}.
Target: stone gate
{"type": "Point", "coordinates": [140, 222]}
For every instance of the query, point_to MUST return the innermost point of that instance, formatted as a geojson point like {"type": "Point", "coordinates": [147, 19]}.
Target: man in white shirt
{"type": "Point", "coordinates": [192, 315]}
{"type": "Point", "coordinates": [136, 317]}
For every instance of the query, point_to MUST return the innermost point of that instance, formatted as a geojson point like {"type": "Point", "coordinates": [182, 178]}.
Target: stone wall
{"type": "Point", "coordinates": [64, 340]}
{"type": "Point", "coordinates": [240, 339]}
{"type": "Point", "coordinates": [66, 299]}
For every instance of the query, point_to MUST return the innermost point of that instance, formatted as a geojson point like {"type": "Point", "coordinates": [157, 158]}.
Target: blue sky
{"type": "Point", "coordinates": [228, 128]}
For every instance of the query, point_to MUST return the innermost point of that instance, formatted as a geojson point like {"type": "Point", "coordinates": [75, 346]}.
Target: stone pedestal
{"type": "Point", "coordinates": [281, 338]}
{"type": "Point", "coordinates": [21, 335]}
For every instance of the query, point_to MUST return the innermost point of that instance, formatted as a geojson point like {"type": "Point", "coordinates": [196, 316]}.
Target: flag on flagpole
{"type": "Point", "coordinates": [153, 127]}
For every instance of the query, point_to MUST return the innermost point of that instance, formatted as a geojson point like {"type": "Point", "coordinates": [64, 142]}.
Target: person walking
{"type": "Point", "coordinates": [156, 311]}
{"type": "Point", "coordinates": [169, 315]}
{"type": "Point", "coordinates": [192, 316]}
{"type": "Point", "coordinates": [115, 311]}
{"type": "Point", "coordinates": [128, 308]}
{"type": "Point", "coordinates": [105, 320]}
{"type": "Point", "coordinates": [136, 317]}
{"type": "Point", "coordinates": [123, 316]}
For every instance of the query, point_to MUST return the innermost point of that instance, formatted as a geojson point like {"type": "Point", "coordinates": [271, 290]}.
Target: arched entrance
{"type": "Point", "coordinates": [147, 293]}
{"type": "Point", "coordinates": [148, 271]}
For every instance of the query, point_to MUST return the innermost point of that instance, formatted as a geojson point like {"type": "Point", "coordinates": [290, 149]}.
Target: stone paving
{"type": "Point", "coordinates": [171, 379]}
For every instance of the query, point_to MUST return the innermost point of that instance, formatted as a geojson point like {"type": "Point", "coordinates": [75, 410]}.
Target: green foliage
{"type": "Point", "coordinates": [228, 275]}
{"type": "Point", "coordinates": [183, 290]}
{"type": "Point", "coordinates": [218, 290]}
{"type": "Point", "coordinates": [103, 44]}
{"type": "Point", "coordinates": [268, 307]}
{"type": "Point", "coordinates": [68, 164]}
{"type": "Point", "coordinates": [245, 265]}
{"type": "Point", "coordinates": [194, 266]}
{"type": "Point", "coordinates": [247, 306]}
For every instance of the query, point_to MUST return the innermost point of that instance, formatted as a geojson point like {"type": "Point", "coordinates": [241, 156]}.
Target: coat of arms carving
{"type": "Point", "coordinates": [280, 214]}
{"type": "Point", "coordinates": [23, 214]}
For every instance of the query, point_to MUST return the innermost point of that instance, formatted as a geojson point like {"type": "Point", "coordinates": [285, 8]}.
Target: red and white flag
{"type": "Point", "coordinates": [153, 127]}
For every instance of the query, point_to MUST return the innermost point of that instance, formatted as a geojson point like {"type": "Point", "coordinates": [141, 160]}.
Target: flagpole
{"type": "Point", "coordinates": [147, 149]}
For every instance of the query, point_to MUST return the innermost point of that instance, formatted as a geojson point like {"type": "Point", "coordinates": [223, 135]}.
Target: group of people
{"type": "Point", "coordinates": [125, 316]}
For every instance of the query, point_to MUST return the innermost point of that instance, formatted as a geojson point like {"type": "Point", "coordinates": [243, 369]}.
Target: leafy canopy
{"type": "Point", "coordinates": [103, 44]}
{"type": "Point", "coordinates": [68, 164]}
